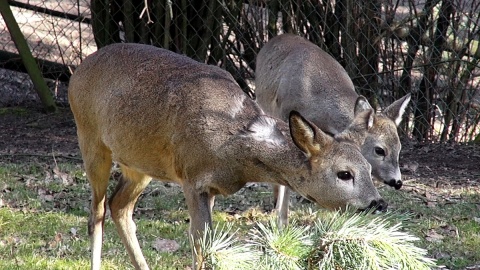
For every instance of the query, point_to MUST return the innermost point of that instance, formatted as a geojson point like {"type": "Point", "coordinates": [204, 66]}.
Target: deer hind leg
{"type": "Point", "coordinates": [98, 162]}
{"type": "Point", "coordinates": [122, 203]}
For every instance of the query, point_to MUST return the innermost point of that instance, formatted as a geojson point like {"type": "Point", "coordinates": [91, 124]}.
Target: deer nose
{"type": "Point", "coordinates": [397, 184]}
{"type": "Point", "coordinates": [380, 205]}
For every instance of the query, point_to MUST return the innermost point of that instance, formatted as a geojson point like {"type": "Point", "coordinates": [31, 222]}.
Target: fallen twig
{"type": "Point", "coordinates": [39, 155]}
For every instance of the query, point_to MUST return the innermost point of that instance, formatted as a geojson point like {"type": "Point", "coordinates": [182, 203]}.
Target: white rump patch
{"type": "Point", "coordinates": [264, 129]}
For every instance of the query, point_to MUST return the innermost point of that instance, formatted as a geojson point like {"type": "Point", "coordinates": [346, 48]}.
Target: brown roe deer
{"type": "Point", "coordinates": [165, 116]}
{"type": "Point", "coordinates": [294, 74]}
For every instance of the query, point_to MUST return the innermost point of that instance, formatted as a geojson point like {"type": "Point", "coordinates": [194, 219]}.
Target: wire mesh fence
{"type": "Point", "coordinates": [429, 48]}
{"type": "Point", "coordinates": [59, 36]}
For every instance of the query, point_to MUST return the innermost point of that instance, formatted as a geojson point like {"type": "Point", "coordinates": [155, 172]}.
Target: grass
{"type": "Point", "coordinates": [448, 230]}
{"type": "Point", "coordinates": [44, 211]}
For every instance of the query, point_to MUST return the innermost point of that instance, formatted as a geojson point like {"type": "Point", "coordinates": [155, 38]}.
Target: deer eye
{"type": "Point", "coordinates": [345, 176]}
{"type": "Point", "coordinates": [379, 151]}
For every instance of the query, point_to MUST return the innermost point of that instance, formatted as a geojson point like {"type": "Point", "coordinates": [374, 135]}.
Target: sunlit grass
{"type": "Point", "coordinates": [447, 229]}
{"type": "Point", "coordinates": [43, 221]}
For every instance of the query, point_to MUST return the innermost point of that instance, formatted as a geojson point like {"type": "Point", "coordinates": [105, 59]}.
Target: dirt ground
{"type": "Point", "coordinates": [27, 133]}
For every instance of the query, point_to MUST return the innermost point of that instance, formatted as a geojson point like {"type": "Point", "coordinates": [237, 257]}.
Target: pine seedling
{"type": "Point", "coordinates": [282, 248]}
{"type": "Point", "coordinates": [221, 250]}
{"type": "Point", "coordinates": [364, 241]}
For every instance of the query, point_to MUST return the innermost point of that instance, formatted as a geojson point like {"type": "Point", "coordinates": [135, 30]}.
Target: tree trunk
{"type": "Point", "coordinates": [349, 36]}
{"type": "Point", "coordinates": [413, 41]}
{"type": "Point", "coordinates": [313, 22]}
{"type": "Point", "coordinates": [272, 7]}
{"type": "Point", "coordinates": [461, 101]}
{"type": "Point", "coordinates": [424, 114]}
{"type": "Point", "coordinates": [333, 28]}
{"type": "Point", "coordinates": [368, 56]}
{"type": "Point", "coordinates": [105, 28]}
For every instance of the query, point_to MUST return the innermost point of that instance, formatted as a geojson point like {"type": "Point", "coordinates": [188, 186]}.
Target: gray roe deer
{"type": "Point", "coordinates": [294, 74]}
{"type": "Point", "coordinates": [165, 116]}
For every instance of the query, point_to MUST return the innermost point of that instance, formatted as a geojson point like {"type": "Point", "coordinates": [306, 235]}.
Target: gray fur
{"type": "Point", "coordinates": [294, 74]}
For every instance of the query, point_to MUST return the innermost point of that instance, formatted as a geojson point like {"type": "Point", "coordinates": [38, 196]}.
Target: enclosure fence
{"type": "Point", "coordinates": [389, 48]}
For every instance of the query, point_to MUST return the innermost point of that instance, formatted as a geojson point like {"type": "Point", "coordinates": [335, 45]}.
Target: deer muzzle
{"type": "Point", "coordinates": [378, 205]}
{"type": "Point", "coordinates": [397, 184]}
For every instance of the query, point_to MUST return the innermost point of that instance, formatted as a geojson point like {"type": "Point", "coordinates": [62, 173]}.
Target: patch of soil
{"type": "Point", "coordinates": [437, 165]}
{"type": "Point", "coordinates": [29, 133]}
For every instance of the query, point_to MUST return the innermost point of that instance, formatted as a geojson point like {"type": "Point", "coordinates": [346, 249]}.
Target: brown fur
{"type": "Point", "coordinates": [164, 116]}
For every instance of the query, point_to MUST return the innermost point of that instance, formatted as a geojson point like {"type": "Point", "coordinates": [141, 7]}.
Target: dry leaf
{"type": "Point", "coordinates": [431, 204]}
{"type": "Point", "coordinates": [165, 245]}
{"type": "Point", "coordinates": [476, 219]}
{"type": "Point", "coordinates": [433, 236]}
{"type": "Point", "coordinates": [56, 241]}
{"type": "Point", "coordinates": [64, 177]}
{"type": "Point", "coordinates": [449, 230]}
{"type": "Point", "coordinates": [48, 177]}
{"type": "Point", "coordinates": [44, 195]}
{"type": "Point", "coordinates": [5, 188]}
{"type": "Point", "coordinates": [411, 166]}
{"type": "Point", "coordinates": [431, 199]}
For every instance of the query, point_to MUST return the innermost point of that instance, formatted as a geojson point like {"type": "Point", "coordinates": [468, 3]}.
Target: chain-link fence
{"type": "Point", "coordinates": [429, 48]}
{"type": "Point", "coordinates": [59, 35]}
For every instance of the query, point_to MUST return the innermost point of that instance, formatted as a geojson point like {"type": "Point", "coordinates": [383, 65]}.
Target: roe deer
{"type": "Point", "coordinates": [165, 116]}
{"type": "Point", "coordinates": [294, 74]}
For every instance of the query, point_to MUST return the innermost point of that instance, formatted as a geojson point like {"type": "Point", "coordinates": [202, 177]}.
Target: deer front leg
{"type": "Point", "coordinates": [200, 206]}
{"type": "Point", "coordinates": [122, 204]}
{"type": "Point", "coordinates": [283, 200]}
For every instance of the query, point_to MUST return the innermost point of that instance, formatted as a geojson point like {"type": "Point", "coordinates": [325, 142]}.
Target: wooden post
{"type": "Point", "coordinates": [32, 68]}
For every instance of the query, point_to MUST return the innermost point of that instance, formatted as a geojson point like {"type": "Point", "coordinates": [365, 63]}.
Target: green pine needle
{"type": "Point", "coordinates": [221, 250]}
{"type": "Point", "coordinates": [283, 248]}
{"type": "Point", "coordinates": [338, 240]}
{"type": "Point", "coordinates": [364, 241]}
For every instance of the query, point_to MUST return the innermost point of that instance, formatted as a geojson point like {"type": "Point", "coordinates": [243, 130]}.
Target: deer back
{"type": "Point", "coordinates": [165, 116]}
{"type": "Point", "coordinates": [174, 119]}
{"type": "Point", "coordinates": [295, 74]}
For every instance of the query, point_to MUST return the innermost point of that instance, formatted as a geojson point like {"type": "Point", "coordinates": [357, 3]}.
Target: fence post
{"type": "Point", "coordinates": [30, 64]}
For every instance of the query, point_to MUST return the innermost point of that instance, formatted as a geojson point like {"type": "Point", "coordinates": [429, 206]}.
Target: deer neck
{"type": "Point", "coordinates": [267, 153]}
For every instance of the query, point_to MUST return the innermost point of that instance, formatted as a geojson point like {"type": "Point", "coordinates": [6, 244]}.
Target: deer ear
{"type": "Point", "coordinates": [362, 105]}
{"type": "Point", "coordinates": [303, 133]}
{"type": "Point", "coordinates": [396, 110]}
{"type": "Point", "coordinates": [357, 131]}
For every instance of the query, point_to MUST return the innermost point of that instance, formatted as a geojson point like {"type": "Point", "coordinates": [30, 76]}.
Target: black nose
{"type": "Point", "coordinates": [379, 205]}
{"type": "Point", "coordinates": [397, 184]}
